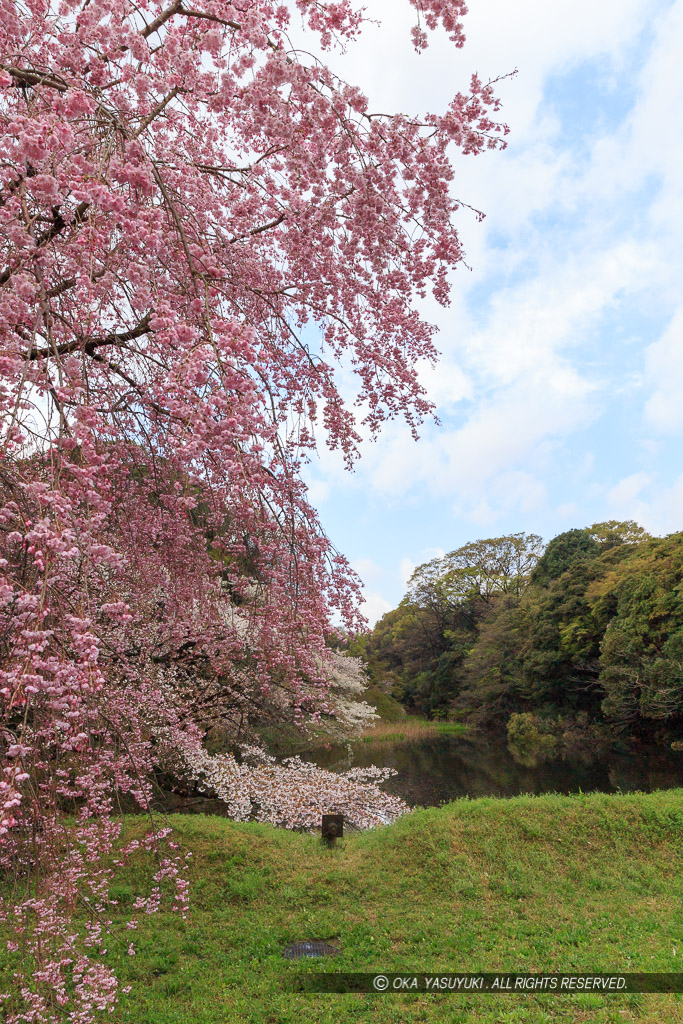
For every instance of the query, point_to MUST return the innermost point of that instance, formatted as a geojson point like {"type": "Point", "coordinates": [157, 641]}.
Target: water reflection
{"type": "Point", "coordinates": [442, 768]}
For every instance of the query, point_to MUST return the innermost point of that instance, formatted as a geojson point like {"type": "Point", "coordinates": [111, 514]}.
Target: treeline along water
{"type": "Point", "coordinates": [437, 769]}
{"type": "Point", "coordinates": [583, 639]}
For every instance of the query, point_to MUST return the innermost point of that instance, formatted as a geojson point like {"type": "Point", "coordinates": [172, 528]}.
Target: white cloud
{"type": "Point", "coordinates": [664, 369]}
{"type": "Point", "coordinates": [624, 494]}
{"type": "Point", "coordinates": [513, 491]}
{"type": "Point", "coordinates": [648, 144]}
{"type": "Point", "coordinates": [406, 570]}
{"type": "Point", "coordinates": [374, 606]}
{"type": "Point", "coordinates": [446, 383]}
{"type": "Point", "coordinates": [508, 428]}
{"type": "Point", "coordinates": [368, 570]}
{"type": "Point", "coordinates": [577, 260]}
{"type": "Point", "coordinates": [659, 509]}
{"type": "Point", "coordinates": [318, 491]}
{"type": "Point", "coordinates": [555, 309]}
{"type": "Point", "coordinates": [534, 36]}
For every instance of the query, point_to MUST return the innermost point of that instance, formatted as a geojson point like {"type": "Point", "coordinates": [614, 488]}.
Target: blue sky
{"type": "Point", "coordinates": [560, 386]}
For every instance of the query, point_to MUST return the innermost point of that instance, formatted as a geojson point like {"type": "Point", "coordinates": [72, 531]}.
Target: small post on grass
{"type": "Point", "coordinates": [332, 828]}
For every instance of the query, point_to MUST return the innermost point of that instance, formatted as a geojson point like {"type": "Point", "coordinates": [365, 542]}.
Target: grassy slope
{"type": "Point", "coordinates": [389, 709]}
{"type": "Point", "coordinates": [532, 883]}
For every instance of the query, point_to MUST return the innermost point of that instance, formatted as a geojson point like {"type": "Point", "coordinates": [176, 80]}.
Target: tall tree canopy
{"type": "Point", "coordinates": [581, 643]}
{"type": "Point", "coordinates": [423, 644]}
{"type": "Point", "coordinates": [198, 222]}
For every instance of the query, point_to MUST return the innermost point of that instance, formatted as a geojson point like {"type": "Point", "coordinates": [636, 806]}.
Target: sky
{"type": "Point", "coordinates": [560, 384]}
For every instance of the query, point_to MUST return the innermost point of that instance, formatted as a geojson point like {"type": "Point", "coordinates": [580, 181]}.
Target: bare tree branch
{"type": "Point", "coordinates": [90, 344]}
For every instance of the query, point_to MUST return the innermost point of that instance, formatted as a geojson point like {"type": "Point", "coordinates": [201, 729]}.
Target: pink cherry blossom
{"type": "Point", "coordinates": [198, 226]}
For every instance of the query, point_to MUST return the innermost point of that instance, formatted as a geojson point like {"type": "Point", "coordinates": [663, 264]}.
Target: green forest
{"type": "Point", "coordinates": [575, 643]}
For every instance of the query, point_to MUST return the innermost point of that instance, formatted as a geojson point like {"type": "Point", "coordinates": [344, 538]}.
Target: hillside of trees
{"type": "Point", "coordinates": [579, 641]}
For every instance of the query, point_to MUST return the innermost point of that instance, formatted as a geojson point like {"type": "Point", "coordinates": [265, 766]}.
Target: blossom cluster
{"type": "Point", "coordinates": [293, 794]}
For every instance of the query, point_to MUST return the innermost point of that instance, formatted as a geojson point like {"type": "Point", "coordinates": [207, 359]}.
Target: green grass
{"type": "Point", "coordinates": [411, 728]}
{"type": "Point", "coordinates": [585, 883]}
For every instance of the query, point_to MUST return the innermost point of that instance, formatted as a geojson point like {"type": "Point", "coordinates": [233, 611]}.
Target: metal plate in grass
{"type": "Point", "coordinates": [310, 947]}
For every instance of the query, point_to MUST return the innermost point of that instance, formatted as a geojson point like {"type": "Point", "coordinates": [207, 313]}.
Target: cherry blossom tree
{"type": "Point", "coordinates": [199, 223]}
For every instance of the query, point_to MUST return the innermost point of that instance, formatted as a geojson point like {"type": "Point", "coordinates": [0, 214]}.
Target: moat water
{"type": "Point", "coordinates": [437, 769]}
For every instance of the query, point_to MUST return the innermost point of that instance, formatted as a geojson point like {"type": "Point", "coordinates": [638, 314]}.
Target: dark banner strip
{"type": "Point", "coordinates": [473, 983]}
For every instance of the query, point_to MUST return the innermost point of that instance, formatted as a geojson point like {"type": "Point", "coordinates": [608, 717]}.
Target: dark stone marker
{"type": "Point", "coordinates": [312, 947]}
{"type": "Point", "coordinates": [332, 827]}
